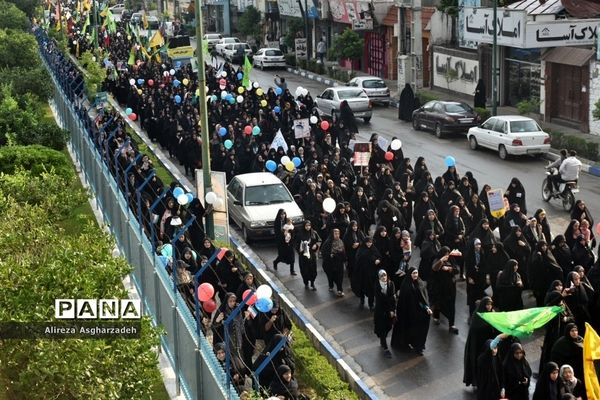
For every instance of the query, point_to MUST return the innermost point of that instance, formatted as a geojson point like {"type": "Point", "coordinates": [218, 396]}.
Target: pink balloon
{"type": "Point", "coordinates": [324, 125]}
{"type": "Point", "coordinates": [205, 291]}
{"type": "Point", "coordinates": [222, 82]}
{"type": "Point", "coordinates": [248, 130]}
{"type": "Point", "coordinates": [150, 82]}
{"type": "Point", "coordinates": [251, 300]}
{"type": "Point", "coordinates": [389, 155]}
{"type": "Point", "coordinates": [132, 116]}
{"type": "Point", "coordinates": [209, 306]}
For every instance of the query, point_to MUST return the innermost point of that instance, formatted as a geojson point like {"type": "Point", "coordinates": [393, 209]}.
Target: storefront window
{"type": "Point", "coordinates": [523, 75]}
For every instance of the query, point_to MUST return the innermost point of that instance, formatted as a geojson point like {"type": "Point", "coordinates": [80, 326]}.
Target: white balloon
{"type": "Point", "coordinates": [118, 34]}
{"type": "Point", "coordinates": [224, 74]}
{"type": "Point", "coordinates": [182, 199]}
{"type": "Point", "coordinates": [172, 72]}
{"type": "Point", "coordinates": [210, 197]}
{"type": "Point", "coordinates": [396, 144]}
{"type": "Point", "coordinates": [132, 81]}
{"type": "Point", "coordinates": [166, 73]}
{"type": "Point", "coordinates": [298, 91]}
{"type": "Point", "coordinates": [314, 119]}
{"type": "Point", "coordinates": [255, 84]}
{"type": "Point", "coordinates": [116, 252]}
{"type": "Point", "coordinates": [264, 291]}
{"type": "Point", "coordinates": [219, 203]}
{"type": "Point", "coordinates": [285, 160]}
{"type": "Point", "coordinates": [240, 99]}
{"type": "Point", "coordinates": [329, 205]}
{"type": "Point", "coordinates": [304, 92]}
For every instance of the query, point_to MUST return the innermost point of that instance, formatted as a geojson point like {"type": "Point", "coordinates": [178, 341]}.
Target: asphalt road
{"type": "Point", "coordinates": [437, 375]}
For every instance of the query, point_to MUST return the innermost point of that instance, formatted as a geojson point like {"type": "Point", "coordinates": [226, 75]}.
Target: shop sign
{"type": "Point", "coordinates": [479, 26]}
{"type": "Point", "coordinates": [562, 33]}
{"type": "Point", "coordinates": [301, 48]}
{"type": "Point", "coordinates": [289, 8]}
{"type": "Point", "coordinates": [362, 24]}
{"type": "Point", "coordinates": [468, 44]}
{"type": "Point", "coordinates": [455, 73]}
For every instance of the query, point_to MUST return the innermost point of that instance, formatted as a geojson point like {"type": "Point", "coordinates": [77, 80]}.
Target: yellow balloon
{"type": "Point", "coordinates": [241, 90]}
{"type": "Point", "coordinates": [259, 92]}
{"type": "Point", "coordinates": [263, 103]}
{"type": "Point", "coordinates": [185, 81]}
{"type": "Point", "coordinates": [139, 91]}
{"type": "Point", "coordinates": [197, 92]}
{"type": "Point", "coordinates": [289, 166]}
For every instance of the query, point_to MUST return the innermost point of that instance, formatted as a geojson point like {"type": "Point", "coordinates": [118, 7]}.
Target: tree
{"type": "Point", "coordinates": [27, 6]}
{"type": "Point", "coordinates": [36, 159]}
{"type": "Point", "coordinates": [95, 74]}
{"type": "Point", "coordinates": [295, 26]}
{"type": "Point", "coordinates": [596, 110]}
{"type": "Point", "coordinates": [34, 80]}
{"type": "Point", "coordinates": [17, 115]}
{"type": "Point", "coordinates": [17, 49]}
{"type": "Point", "coordinates": [348, 45]}
{"type": "Point", "coordinates": [11, 17]}
{"type": "Point", "coordinates": [249, 23]}
{"type": "Point", "coordinates": [450, 7]}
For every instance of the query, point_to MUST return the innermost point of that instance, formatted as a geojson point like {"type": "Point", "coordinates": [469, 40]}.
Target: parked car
{"type": "Point", "coordinates": [329, 101]}
{"type": "Point", "coordinates": [253, 200]}
{"type": "Point", "coordinates": [444, 117]}
{"type": "Point", "coordinates": [136, 18]}
{"type": "Point", "coordinates": [269, 57]}
{"type": "Point", "coordinates": [510, 135]}
{"type": "Point", "coordinates": [117, 9]}
{"type": "Point", "coordinates": [220, 46]}
{"type": "Point", "coordinates": [212, 39]}
{"type": "Point", "coordinates": [232, 53]}
{"type": "Point", "coordinates": [374, 87]}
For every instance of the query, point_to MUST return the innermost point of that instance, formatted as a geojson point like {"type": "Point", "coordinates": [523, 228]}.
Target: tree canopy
{"type": "Point", "coordinates": [348, 45]}
{"type": "Point", "coordinates": [11, 17]}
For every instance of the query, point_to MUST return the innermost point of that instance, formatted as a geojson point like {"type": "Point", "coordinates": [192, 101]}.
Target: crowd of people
{"type": "Point", "coordinates": [384, 212]}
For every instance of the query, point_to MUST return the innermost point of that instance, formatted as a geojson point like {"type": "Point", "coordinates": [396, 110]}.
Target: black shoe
{"type": "Point", "coordinates": [274, 265]}
{"type": "Point", "coordinates": [306, 286]}
{"type": "Point", "coordinates": [387, 353]}
{"type": "Point", "coordinates": [419, 352]}
{"type": "Point", "coordinates": [313, 287]}
{"type": "Point", "coordinates": [453, 329]}
{"type": "Point", "coordinates": [293, 273]}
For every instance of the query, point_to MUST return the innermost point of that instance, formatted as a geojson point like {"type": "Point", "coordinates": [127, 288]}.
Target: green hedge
{"type": "Point", "coordinates": [290, 59]}
{"type": "Point", "coordinates": [483, 113]}
{"type": "Point", "coordinates": [425, 97]}
{"type": "Point", "coordinates": [584, 148]}
{"type": "Point", "coordinates": [37, 159]}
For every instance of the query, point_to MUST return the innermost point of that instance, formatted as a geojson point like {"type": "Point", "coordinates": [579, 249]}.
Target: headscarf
{"type": "Point", "coordinates": [383, 284]}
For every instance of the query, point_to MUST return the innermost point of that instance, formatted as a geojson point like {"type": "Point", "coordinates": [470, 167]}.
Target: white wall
{"type": "Point", "coordinates": [594, 95]}
{"type": "Point", "coordinates": [468, 73]}
{"type": "Point", "coordinates": [440, 28]}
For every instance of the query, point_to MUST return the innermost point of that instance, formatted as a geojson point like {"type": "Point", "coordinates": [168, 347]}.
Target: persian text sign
{"type": "Point", "coordinates": [561, 33]}
{"type": "Point", "coordinates": [479, 26]}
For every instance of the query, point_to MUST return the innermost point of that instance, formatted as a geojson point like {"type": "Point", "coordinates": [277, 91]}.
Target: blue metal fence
{"type": "Point", "coordinates": [198, 372]}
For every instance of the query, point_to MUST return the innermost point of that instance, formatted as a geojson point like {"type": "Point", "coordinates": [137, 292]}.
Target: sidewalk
{"type": "Point", "coordinates": [590, 167]}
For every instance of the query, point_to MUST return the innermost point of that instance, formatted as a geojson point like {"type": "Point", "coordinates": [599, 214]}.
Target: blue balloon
{"type": "Point", "coordinates": [277, 109]}
{"type": "Point", "coordinates": [231, 100]}
{"type": "Point", "coordinates": [128, 111]}
{"type": "Point", "coordinates": [178, 64]}
{"type": "Point", "coordinates": [271, 166]}
{"type": "Point", "coordinates": [278, 91]}
{"type": "Point", "coordinates": [264, 304]}
{"type": "Point", "coordinates": [167, 250]}
{"type": "Point", "coordinates": [228, 144]}
{"type": "Point", "coordinates": [450, 161]}
{"type": "Point", "coordinates": [178, 192]}
{"type": "Point", "coordinates": [177, 99]}
{"type": "Point", "coordinates": [256, 131]}
{"type": "Point", "coordinates": [176, 83]}
{"type": "Point", "coordinates": [222, 131]}
{"type": "Point", "coordinates": [240, 76]}
{"type": "Point", "coordinates": [140, 81]}
{"type": "Point", "coordinates": [213, 98]}
{"type": "Point", "coordinates": [297, 161]}
{"type": "Point", "coordinates": [190, 197]}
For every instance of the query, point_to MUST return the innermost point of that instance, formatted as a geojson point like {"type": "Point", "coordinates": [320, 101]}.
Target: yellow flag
{"type": "Point", "coordinates": [591, 356]}
{"type": "Point", "coordinates": [87, 5]}
{"type": "Point", "coordinates": [157, 40]}
{"type": "Point", "coordinates": [145, 21]}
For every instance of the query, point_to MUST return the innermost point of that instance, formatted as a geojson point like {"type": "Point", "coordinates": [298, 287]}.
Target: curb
{"type": "Point", "coordinates": [327, 81]}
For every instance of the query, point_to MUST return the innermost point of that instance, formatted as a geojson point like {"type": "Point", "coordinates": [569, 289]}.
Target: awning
{"type": "Point", "coordinates": [536, 7]}
{"type": "Point", "coordinates": [391, 17]}
{"type": "Point", "coordinates": [568, 56]}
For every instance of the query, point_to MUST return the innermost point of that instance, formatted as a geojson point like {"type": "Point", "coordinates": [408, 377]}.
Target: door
{"type": "Point", "coordinates": [375, 49]}
{"type": "Point", "coordinates": [484, 132]}
{"type": "Point", "coordinates": [498, 135]}
{"type": "Point", "coordinates": [426, 115]}
{"type": "Point", "coordinates": [566, 90]}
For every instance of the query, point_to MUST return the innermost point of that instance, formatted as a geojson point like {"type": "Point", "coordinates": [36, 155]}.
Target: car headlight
{"type": "Point", "coordinates": [257, 224]}
{"type": "Point", "coordinates": [297, 220]}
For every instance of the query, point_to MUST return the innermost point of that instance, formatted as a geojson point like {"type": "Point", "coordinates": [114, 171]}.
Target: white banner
{"type": "Point", "coordinates": [289, 8]}
{"type": "Point", "coordinates": [479, 26]}
{"type": "Point", "coordinates": [561, 33]}
{"type": "Point", "coordinates": [278, 141]}
{"type": "Point", "coordinates": [455, 73]}
{"type": "Point", "coordinates": [301, 48]}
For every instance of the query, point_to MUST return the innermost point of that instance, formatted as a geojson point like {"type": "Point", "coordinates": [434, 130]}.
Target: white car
{"type": "Point", "coordinates": [212, 39]}
{"type": "Point", "coordinates": [220, 46]}
{"type": "Point", "coordinates": [329, 102]}
{"type": "Point", "coordinates": [230, 52]}
{"type": "Point", "coordinates": [253, 201]}
{"type": "Point", "coordinates": [269, 57]}
{"type": "Point", "coordinates": [374, 87]}
{"type": "Point", "coordinates": [510, 135]}
{"type": "Point", "coordinates": [117, 9]}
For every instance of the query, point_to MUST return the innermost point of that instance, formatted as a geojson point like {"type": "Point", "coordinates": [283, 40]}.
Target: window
{"type": "Point", "coordinates": [438, 108]}
{"type": "Point", "coordinates": [179, 41]}
{"type": "Point", "coordinates": [267, 194]}
{"type": "Point", "coordinates": [326, 95]}
{"type": "Point", "coordinates": [457, 108]}
{"type": "Point", "coordinates": [524, 126]}
{"type": "Point", "coordinates": [499, 126]}
{"type": "Point", "coordinates": [274, 53]}
{"type": "Point", "coordinates": [350, 94]}
{"type": "Point", "coordinates": [374, 84]}
{"type": "Point", "coordinates": [429, 106]}
{"type": "Point", "coordinates": [489, 124]}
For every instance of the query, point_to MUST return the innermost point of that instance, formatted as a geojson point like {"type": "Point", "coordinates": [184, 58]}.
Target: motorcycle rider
{"type": "Point", "coordinates": [569, 168]}
{"type": "Point", "coordinates": [553, 179]}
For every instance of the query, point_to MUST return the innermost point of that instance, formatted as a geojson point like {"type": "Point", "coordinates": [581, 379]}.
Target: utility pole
{"type": "Point", "coordinates": [417, 45]}
{"type": "Point", "coordinates": [495, 61]}
{"type": "Point", "coordinates": [207, 182]}
{"type": "Point", "coordinates": [95, 17]}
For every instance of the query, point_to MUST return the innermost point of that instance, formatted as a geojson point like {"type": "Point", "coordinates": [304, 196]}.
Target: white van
{"type": "Point", "coordinates": [253, 200]}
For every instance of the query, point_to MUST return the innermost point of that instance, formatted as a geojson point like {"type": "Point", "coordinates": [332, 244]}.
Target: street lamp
{"type": "Point", "coordinates": [206, 179]}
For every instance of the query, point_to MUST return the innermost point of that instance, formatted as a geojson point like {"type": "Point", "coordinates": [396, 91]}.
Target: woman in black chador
{"type": "Point", "coordinates": [385, 309]}
{"type": "Point", "coordinates": [517, 374]}
{"type": "Point", "coordinates": [407, 103]}
{"type": "Point", "coordinates": [479, 332]}
{"type": "Point", "coordinates": [364, 277]}
{"type": "Point", "coordinates": [412, 314]}
{"type": "Point", "coordinates": [307, 245]}
{"type": "Point", "coordinates": [480, 95]}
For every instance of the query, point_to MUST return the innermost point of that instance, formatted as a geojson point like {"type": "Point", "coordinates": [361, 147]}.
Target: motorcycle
{"type": "Point", "coordinates": [566, 190]}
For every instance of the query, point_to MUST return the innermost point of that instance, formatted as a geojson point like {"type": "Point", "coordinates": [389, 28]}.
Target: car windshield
{"type": "Point", "coordinates": [273, 53]}
{"type": "Point", "coordinates": [350, 94]}
{"type": "Point", "coordinates": [524, 126]}
{"type": "Point", "coordinates": [267, 194]}
{"type": "Point", "coordinates": [457, 108]}
{"type": "Point", "coordinates": [231, 40]}
{"type": "Point", "coordinates": [374, 84]}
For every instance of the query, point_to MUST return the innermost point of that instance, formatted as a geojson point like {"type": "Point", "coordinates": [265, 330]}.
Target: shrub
{"type": "Point", "coordinates": [425, 97]}
{"type": "Point", "coordinates": [531, 106]}
{"type": "Point", "coordinates": [584, 148]}
{"type": "Point", "coordinates": [483, 113]}
{"type": "Point", "coordinates": [95, 74]}
{"type": "Point", "coordinates": [37, 159]}
{"type": "Point", "coordinates": [290, 59]}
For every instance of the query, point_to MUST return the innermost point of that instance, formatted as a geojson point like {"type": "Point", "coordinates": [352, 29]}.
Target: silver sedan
{"type": "Point", "coordinates": [329, 102]}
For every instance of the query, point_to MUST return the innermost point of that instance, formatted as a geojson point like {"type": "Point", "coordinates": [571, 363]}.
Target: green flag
{"type": "Point", "coordinates": [86, 24]}
{"type": "Point", "coordinates": [131, 60]}
{"type": "Point", "coordinates": [247, 68]}
{"type": "Point", "coordinates": [92, 35]}
{"type": "Point", "coordinates": [205, 51]}
{"type": "Point", "coordinates": [521, 322]}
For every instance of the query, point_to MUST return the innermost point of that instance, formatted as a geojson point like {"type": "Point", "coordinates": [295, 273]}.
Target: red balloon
{"type": "Point", "coordinates": [251, 300]}
{"type": "Point", "coordinates": [209, 306]}
{"type": "Point", "coordinates": [132, 116]}
{"type": "Point", "coordinates": [598, 228]}
{"type": "Point", "coordinates": [150, 82]}
{"type": "Point", "coordinates": [205, 291]}
{"type": "Point", "coordinates": [324, 125]}
{"type": "Point", "coordinates": [222, 82]}
{"type": "Point", "coordinates": [389, 155]}
{"type": "Point", "coordinates": [248, 130]}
